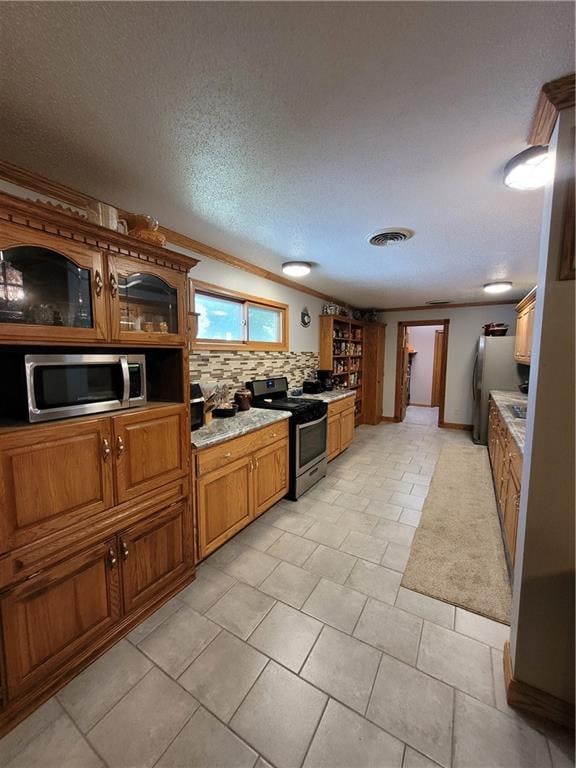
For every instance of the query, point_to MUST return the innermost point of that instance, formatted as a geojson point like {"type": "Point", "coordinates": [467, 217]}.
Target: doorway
{"type": "Point", "coordinates": [421, 381]}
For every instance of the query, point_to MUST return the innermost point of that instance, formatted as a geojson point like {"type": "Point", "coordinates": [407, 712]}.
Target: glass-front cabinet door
{"type": "Point", "coordinates": [148, 302]}
{"type": "Point", "coordinates": [49, 290]}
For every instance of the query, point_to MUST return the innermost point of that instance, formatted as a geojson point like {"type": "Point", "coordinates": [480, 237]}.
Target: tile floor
{"type": "Point", "coordinates": [297, 646]}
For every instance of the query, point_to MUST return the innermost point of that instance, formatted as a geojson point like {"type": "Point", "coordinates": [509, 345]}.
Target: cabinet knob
{"type": "Point", "coordinates": [120, 447]}
{"type": "Point", "coordinates": [113, 285]}
{"type": "Point", "coordinates": [112, 559]}
{"type": "Point", "coordinates": [227, 455]}
{"type": "Point", "coordinates": [98, 283]}
{"type": "Point", "coordinates": [106, 450]}
{"type": "Point", "coordinates": [273, 434]}
{"type": "Point", "coordinates": [124, 550]}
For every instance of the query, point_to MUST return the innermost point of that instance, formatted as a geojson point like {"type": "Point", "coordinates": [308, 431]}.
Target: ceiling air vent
{"type": "Point", "coordinates": [439, 301]}
{"type": "Point", "coordinates": [390, 236]}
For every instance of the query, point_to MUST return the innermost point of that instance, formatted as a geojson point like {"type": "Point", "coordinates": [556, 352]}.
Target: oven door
{"type": "Point", "coordinates": [60, 386]}
{"type": "Point", "coordinates": [310, 443]}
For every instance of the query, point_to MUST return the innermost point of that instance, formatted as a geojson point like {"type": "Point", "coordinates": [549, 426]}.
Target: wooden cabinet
{"type": "Point", "coordinates": [506, 462]}
{"type": "Point", "coordinates": [147, 303]}
{"type": "Point", "coordinates": [55, 289]}
{"type": "Point", "coordinates": [49, 619]}
{"type": "Point", "coordinates": [270, 475]}
{"type": "Point", "coordinates": [151, 449]}
{"type": "Point", "coordinates": [53, 476]}
{"type": "Point", "coordinates": [525, 328]}
{"type": "Point", "coordinates": [341, 424]}
{"type": "Point", "coordinates": [237, 481]}
{"type": "Point", "coordinates": [342, 352]}
{"type": "Point", "coordinates": [154, 553]}
{"type": "Point", "coordinates": [374, 347]}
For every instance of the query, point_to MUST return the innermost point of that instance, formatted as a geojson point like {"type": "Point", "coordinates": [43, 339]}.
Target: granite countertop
{"type": "Point", "coordinates": [330, 397]}
{"type": "Point", "coordinates": [220, 430]}
{"type": "Point", "coordinates": [516, 426]}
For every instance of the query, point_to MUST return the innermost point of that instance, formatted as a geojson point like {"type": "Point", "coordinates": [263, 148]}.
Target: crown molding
{"type": "Point", "coordinates": [442, 307]}
{"type": "Point", "coordinates": [554, 96]}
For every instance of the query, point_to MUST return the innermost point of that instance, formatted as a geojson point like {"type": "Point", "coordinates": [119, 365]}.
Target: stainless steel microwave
{"type": "Point", "coordinates": [59, 386]}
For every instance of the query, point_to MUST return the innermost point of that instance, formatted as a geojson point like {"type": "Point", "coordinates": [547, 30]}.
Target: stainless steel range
{"type": "Point", "coordinates": [307, 431]}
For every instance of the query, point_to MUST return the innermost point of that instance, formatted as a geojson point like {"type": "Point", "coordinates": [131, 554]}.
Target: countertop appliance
{"type": "Point", "coordinates": [60, 386]}
{"type": "Point", "coordinates": [306, 431]}
{"type": "Point", "coordinates": [325, 378]}
{"type": "Point", "coordinates": [312, 387]}
{"type": "Point", "coordinates": [196, 406]}
{"type": "Point", "coordinates": [494, 368]}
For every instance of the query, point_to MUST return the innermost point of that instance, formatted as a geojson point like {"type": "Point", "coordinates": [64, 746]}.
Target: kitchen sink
{"type": "Point", "coordinates": [518, 410]}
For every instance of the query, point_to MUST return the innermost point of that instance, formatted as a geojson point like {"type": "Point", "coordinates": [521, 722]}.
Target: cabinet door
{"type": "Point", "coordinates": [154, 553]}
{"type": "Point", "coordinates": [150, 448]}
{"type": "Point", "coordinates": [225, 503]}
{"type": "Point", "coordinates": [529, 332]}
{"type": "Point", "coordinates": [270, 475]}
{"type": "Point", "coordinates": [50, 290]}
{"type": "Point", "coordinates": [51, 477]}
{"type": "Point", "coordinates": [346, 428]}
{"type": "Point", "coordinates": [148, 303]}
{"type": "Point", "coordinates": [51, 618]}
{"type": "Point", "coordinates": [333, 437]}
{"type": "Point", "coordinates": [510, 513]}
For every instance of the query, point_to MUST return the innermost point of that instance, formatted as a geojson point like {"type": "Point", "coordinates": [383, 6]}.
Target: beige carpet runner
{"type": "Point", "coordinates": [457, 555]}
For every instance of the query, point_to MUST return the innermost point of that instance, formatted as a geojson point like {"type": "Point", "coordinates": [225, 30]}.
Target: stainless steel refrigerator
{"type": "Point", "coordinates": [494, 368]}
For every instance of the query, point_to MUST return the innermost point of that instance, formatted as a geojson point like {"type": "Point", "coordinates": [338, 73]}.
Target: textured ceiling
{"type": "Point", "coordinates": [278, 131]}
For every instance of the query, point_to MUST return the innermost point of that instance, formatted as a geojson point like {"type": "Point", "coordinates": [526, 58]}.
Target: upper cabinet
{"type": "Point", "coordinates": [64, 280]}
{"type": "Point", "coordinates": [524, 328]}
{"type": "Point", "coordinates": [148, 303]}
{"type": "Point", "coordinates": [50, 291]}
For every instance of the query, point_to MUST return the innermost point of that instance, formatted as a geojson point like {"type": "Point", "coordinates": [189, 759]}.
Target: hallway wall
{"type": "Point", "coordinates": [422, 339]}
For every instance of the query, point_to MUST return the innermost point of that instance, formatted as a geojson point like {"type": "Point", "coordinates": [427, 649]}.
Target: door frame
{"type": "Point", "coordinates": [402, 325]}
{"type": "Point", "coordinates": [437, 367]}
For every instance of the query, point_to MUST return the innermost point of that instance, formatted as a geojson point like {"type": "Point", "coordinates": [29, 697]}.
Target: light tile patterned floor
{"type": "Point", "coordinates": [297, 646]}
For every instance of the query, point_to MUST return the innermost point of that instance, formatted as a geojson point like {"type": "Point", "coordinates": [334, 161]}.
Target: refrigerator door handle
{"type": "Point", "coordinates": [475, 377]}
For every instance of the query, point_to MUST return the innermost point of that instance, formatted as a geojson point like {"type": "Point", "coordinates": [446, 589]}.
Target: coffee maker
{"type": "Point", "coordinates": [326, 380]}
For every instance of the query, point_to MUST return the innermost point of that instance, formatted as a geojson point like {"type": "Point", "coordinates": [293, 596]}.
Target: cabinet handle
{"type": "Point", "coordinates": [120, 447]}
{"type": "Point", "coordinates": [112, 559]}
{"type": "Point", "coordinates": [124, 550]}
{"type": "Point", "coordinates": [227, 455]}
{"type": "Point", "coordinates": [113, 285]}
{"type": "Point", "coordinates": [256, 462]}
{"type": "Point", "coordinates": [251, 465]}
{"type": "Point", "coordinates": [98, 284]}
{"type": "Point", "coordinates": [106, 451]}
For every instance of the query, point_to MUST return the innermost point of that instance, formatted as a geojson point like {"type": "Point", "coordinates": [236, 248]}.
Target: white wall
{"type": "Point", "coordinates": [301, 339]}
{"type": "Point", "coordinates": [465, 328]}
{"type": "Point", "coordinates": [422, 339]}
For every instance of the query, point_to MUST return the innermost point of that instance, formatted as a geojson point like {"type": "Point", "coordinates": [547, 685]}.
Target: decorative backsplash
{"type": "Point", "coordinates": [235, 368]}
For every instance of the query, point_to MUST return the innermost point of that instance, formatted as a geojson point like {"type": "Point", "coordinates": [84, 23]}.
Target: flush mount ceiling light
{"type": "Point", "coordinates": [296, 268]}
{"type": "Point", "coordinates": [500, 287]}
{"type": "Point", "coordinates": [439, 301]}
{"type": "Point", "coordinates": [529, 169]}
{"type": "Point", "coordinates": [390, 236]}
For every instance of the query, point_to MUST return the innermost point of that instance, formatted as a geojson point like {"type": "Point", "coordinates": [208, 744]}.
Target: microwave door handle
{"type": "Point", "coordinates": [126, 380]}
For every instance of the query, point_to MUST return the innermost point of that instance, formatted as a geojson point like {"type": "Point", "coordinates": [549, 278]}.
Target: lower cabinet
{"type": "Point", "coordinates": [50, 618]}
{"type": "Point", "coordinates": [65, 610]}
{"type": "Point", "coordinates": [341, 424]}
{"type": "Point", "coordinates": [506, 462]}
{"type": "Point", "coordinates": [238, 490]}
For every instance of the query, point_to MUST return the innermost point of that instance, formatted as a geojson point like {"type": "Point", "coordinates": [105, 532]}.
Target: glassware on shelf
{"type": "Point", "coordinates": [147, 303]}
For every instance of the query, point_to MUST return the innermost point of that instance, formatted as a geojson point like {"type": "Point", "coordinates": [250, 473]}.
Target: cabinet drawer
{"type": "Point", "coordinates": [223, 454]}
{"type": "Point", "coordinates": [340, 405]}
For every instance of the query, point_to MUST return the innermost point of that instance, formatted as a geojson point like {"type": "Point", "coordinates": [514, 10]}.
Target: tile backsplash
{"type": "Point", "coordinates": [235, 368]}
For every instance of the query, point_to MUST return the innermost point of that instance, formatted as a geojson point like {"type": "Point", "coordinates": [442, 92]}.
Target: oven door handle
{"type": "Point", "coordinates": [126, 379]}
{"type": "Point", "coordinates": [311, 423]}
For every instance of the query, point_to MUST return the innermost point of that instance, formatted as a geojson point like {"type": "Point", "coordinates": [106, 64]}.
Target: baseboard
{"type": "Point", "coordinates": [523, 696]}
{"type": "Point", "coordinates": [454, 425]}
{"type": "Point", "coordinates": [421, 405]}
{"type": "Point", "coordinates": [389, 419]}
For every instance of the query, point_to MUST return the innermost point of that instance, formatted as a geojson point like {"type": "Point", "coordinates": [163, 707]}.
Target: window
{"type": "Point", "coordinates": [226, 319]}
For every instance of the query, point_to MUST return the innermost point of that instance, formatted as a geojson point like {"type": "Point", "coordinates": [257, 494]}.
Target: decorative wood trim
{"type": "Point", "coordinates": [530, 298]}
{"type": "Point", "coordinates": [59, 224]}
{"type": "Point", "coordinates": [523, 696]}
{"type": "Point", "coordinates": [402, 324]}
{"type": "Point", "coordinates": [447, 306]}
{"type": "Point", "coordinates": [454, 425]}
{"type": "Point", "coordinates": [43, 186]}
{"type": "Point", "coordinates": [554, 96]}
